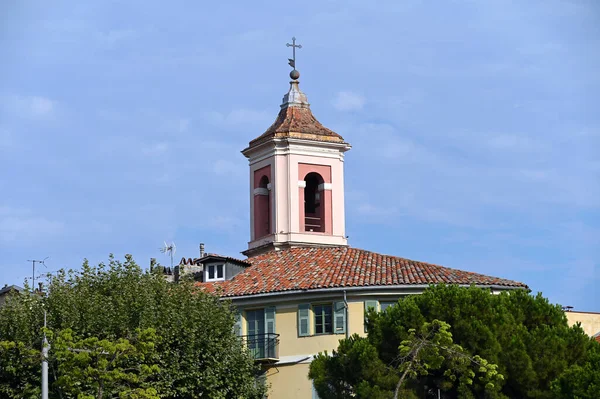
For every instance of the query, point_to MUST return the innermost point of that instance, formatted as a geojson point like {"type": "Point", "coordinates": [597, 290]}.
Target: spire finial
{"type": "Point", "coordinates": [292, 61]}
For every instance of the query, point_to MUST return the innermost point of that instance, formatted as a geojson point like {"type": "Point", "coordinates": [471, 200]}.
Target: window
{"type": "Point", "coordinates": [323, 319]}
{"type": "Point", "coordinates": [215, 272]}
{"type": "Point", "coordinates": [385, 305]}
{"type": "Point", "coordinates": [370, 305]}
{"type": "Point", "coordinates": [326, 318]}
{"type": "Point", "coordinates": [261, 337]}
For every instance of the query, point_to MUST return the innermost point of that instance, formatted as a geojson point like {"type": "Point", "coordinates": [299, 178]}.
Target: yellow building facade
{"type": "Point", "coordinates": [590, 321]}
{"type": "Point", "coordinates": [287, 372]}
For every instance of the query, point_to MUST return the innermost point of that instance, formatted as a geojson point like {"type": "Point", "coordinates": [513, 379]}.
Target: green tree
{"type": "Point", "coordinates": [171, 339]}
{"type": "Point", "coordinates": [93, 368]}
{"type": "Point", "coordinates": [524, 335]}
{"type": "Point", "coordinates": [580, 381]}
{"type": "Point", "coordinates": [432, 348]}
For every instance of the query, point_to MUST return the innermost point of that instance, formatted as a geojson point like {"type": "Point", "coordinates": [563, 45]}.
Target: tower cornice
{"type": "Point", "coordinates": [294, 146]}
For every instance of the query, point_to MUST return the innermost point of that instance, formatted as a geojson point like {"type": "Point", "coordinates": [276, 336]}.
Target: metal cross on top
{"type": "Point", "coordinates": [292, 61]}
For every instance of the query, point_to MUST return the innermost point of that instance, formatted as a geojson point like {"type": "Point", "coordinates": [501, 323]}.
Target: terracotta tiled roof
{"type": "Point", "coordinates": [297, 122]}
{"type": "Point", "coordinates": [330, 267]}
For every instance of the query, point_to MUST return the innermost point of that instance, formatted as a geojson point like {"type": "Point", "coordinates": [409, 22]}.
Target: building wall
{"type": "Point", "coordinates": [590, 321]}
{"type": "Point", "coordinates": [291, 380]}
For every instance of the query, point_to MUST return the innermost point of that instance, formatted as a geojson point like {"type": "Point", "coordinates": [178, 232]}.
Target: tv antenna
{"type": "Point", "coordinates": [33, 262]}
{"type": "Point", "coordinates": [169, 249]}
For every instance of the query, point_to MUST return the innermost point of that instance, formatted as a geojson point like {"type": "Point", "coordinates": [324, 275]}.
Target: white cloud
{"type": "Point", "coordinates": [348, 101]}
{"type": "Point", "coordinates": [41, 106]}
{"type": "Point", "coordinates": [155, 149]}
{"type": "Point", "coordinates": [223, 167]}
{"type": "Point", "coordinates": [184, 125]}
{"type": "Point", "coordinates": [240, 117]}
{"type": "Point", "coordinates": [513, 142]}
{"type": "Point", "coordinates": [112, 37]}
{"type": "Point", "coordinates": [375, 210]}
{"type": "Point", "coordinates": [391, 146]}
{"type": "Point", "coordinates": [29, 107]}
{"type": "Point", "coordinates": [17, 224]}
{"type": "Point", "coordinates": [6, 138]}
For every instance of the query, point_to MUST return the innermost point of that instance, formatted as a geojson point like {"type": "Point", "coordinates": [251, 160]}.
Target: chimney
{"type": "Point", "coordinates": [202, 250]}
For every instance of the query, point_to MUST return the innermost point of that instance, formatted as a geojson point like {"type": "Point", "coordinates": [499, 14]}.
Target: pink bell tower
{"type": "Point", "coordinates": [296, 180]}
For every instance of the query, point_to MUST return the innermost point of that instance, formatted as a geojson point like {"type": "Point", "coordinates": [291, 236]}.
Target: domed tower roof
{"type": "Point", "coordinates": [295, 120]}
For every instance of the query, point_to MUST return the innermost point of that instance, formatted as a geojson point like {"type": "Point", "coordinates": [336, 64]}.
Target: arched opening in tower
{"type": "Point", "coordinates": [313, 210]}
{"type": "Point", "coordinates": [262, 211]}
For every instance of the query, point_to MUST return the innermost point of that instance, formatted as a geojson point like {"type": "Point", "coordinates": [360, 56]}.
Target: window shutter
{"type": "Point", "coordinates": [369, 305]}
{"type": "Point", "coordinates": [339, 318]}
{"type": "Point", "coordinates": [237, 327]}
{"type": "Point", "coordinates": [270, 320]}
{"type": "Point", "coordinates": [303, 320]}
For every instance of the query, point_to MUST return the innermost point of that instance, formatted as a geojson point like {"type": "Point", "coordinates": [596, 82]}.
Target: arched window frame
{"type": "Point", "coordinates": [324, 191]}
{"type": "Point", "coordinates": [262, 203]}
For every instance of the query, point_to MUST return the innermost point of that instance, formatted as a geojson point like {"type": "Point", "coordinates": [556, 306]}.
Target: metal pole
{"type": "Point", "coordinates": [45, 349]}
{"type": "Point", "coordinates": [346, 318]}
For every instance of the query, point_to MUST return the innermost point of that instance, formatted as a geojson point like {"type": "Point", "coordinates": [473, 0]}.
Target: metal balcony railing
{"type": "Point", "coordinates": [312, 223]}
{"type": "Point", "coordinates": [263, 347]}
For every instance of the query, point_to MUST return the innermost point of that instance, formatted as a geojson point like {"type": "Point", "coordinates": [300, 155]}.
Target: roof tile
{"type": "Point", "coordinates": [329, 267]}
{"type": "Point", "coordinates": [297, 122]}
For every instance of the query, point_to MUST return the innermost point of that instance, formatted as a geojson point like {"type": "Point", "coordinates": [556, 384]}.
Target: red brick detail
{"type": "Point", "coordinates": [332, 267]}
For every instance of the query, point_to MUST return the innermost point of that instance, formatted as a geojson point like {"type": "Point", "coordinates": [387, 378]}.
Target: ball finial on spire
{"type": "Point", "coordinates": [294, 74]}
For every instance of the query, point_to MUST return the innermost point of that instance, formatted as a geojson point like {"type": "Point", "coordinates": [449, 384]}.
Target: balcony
{"type": "Point", "coordinates": [263, 347]}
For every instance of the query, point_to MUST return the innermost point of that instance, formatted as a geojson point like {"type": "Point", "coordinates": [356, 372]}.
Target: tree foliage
{"type": "Point", "coordinates": [525, 336]}
{"type": "Point", "coordinates": [105, 367]}
{"type": "Point", "coordinates": [580, 381]}
{"type": "Point", "coordinates": [130, 328]}
{"type": "Point", "coordinates": [432, 348]}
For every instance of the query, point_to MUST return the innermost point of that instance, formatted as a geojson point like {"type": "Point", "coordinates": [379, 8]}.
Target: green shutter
{"type": "Point", "coordinates": [237, 327]}
{"type": "Point", "coordinates": [270, 320]}
{"type": "Point", "coordinates": [369, 305]}
{"type": "Point", "coordinates": [303, 320]}
{"type": "Point", "coordinates": [339, 318]}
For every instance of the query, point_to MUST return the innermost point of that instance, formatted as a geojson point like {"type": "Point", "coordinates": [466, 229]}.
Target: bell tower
{"type": "Point", "coordinates": [296, 180]}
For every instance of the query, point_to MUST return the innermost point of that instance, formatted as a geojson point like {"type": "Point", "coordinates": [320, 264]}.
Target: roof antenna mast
{"type": "Point", "coordinates": [33, 262]}
{"type": "Point", "coordinates": [169, 249]}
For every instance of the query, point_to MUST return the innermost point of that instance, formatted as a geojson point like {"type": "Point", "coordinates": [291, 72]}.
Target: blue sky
{"type": "Point", "coordinates": [474, 124]}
